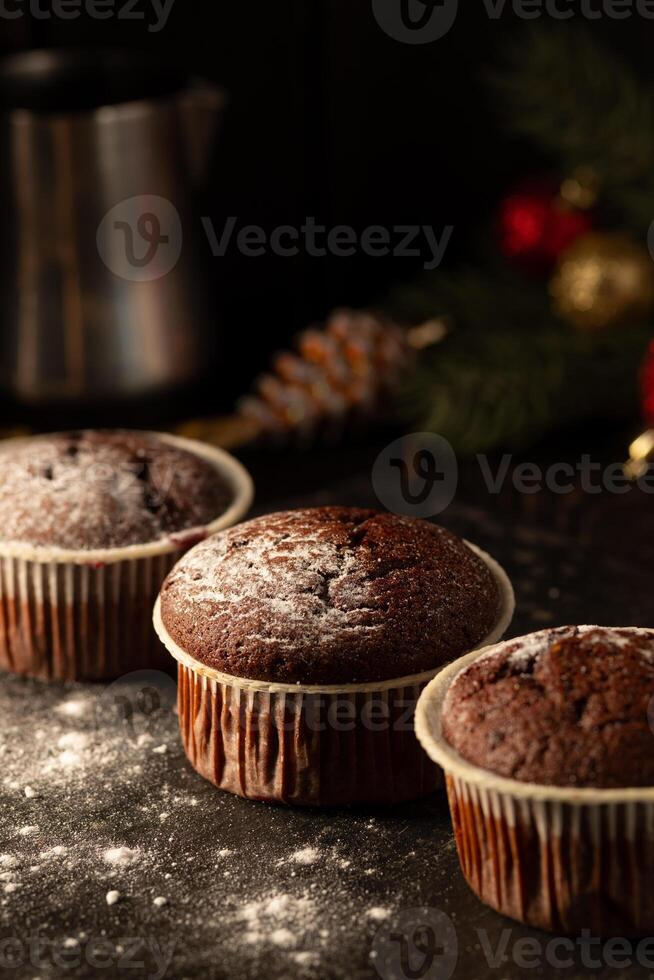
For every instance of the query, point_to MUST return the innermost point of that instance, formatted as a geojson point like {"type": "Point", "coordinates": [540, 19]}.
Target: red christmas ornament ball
{"type": "Point", "coordinates": [647, 387]}
{"type": "Point", "coordinates": [536, 225]}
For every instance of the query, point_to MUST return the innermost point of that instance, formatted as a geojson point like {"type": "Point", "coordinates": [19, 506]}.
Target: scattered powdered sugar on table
{"type": "Point", "coordinates": [401, 859]}
{"type": "Point", "coordinates": [73, 708]}
{"type": "Point", "coordinates": [122, 844]}
{"type": "Point", "coordinates": [121, 856]}
{"type": "Point", "coordinates": [378, 914]}
{"type": "Point", "coordinates": [306, 855]}
{"type": "Point", "coordinates": [280, 919]}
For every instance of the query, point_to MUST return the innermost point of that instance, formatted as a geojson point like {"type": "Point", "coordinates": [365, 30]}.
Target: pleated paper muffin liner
{"type": "Point", "coordinates": [308, 744]}
{"type": "Point", "coordinates": [560, 859]}
{"type": "Point", "coordinates": [86, 615]}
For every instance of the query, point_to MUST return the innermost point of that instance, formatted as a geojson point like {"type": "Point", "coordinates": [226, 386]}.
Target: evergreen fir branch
{"type": "Point", "coordinates": [580, 104]}
{"type": "Point", "coordinates": [475, 300]}
{"type": "Point", "coordinates": [511, 371]}
{"type": "Point", "coordinates": [512, 385]}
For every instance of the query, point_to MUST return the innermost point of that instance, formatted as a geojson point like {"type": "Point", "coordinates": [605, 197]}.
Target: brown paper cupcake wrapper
{"type": "Point", "coordinates": [303, 744]}
{"type": "Point", "coordinates": [78, 622]}
{"type": "Point", "coordinates": [304, 747]}
{"type": "Point", "coordinates": [559, 859]}
{"type": "Point", "coordinates": [86, 615]}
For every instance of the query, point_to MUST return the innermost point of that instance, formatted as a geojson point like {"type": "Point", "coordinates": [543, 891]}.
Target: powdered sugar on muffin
{"type": "Point", "coordinates": [103, 489]}
{"type": "Point", "coordinates": [329, 595]}
{"type": "Point", "coordinates": [563, 707]}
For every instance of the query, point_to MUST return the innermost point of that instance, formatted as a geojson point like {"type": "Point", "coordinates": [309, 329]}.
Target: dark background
{"type": "Point", "coordinates": [330, 117]}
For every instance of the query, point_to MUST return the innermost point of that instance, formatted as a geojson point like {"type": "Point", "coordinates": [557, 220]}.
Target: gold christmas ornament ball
{"type": "Point", "coordinates": [603, 280]}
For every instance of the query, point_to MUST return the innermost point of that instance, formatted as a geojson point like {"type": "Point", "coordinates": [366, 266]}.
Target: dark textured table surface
{"type": "Point", "coordinates": [207, 885]}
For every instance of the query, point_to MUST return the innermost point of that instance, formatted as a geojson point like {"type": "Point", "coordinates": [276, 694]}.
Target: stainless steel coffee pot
{"type": "Point", "coordinates": [100, 293]}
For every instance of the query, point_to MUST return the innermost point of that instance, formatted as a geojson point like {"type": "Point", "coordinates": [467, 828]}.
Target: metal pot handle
{"type": "Point", "coordinates": [200, 106]}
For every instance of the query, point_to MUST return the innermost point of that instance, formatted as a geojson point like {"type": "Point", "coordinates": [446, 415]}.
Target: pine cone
{"type": "Point", "coordinates": [341, 376]}
{"type": "Point", "coordinates": [338, 376]}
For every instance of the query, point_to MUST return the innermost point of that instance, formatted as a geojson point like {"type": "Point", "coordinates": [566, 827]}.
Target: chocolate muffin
{"type": "Point", "coordinates": [90, 523]}
{"type": "Point", "coordinates": [568, 710]}
{"type": "Point", "coordinates": [353, 606]}
{"type": "Point", "coordinates": [332, 595]}
{"type": "Point", "coordinates": [548, 750]}
{"type": "Point", "coordinates": [104, 489]}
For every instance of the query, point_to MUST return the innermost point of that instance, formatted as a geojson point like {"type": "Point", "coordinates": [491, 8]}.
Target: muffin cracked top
{"type": "Point", "coordinates": [562, 707]}
{"type": "Point", "coordinates": [103, 489]}
{"type": "Point", "coordinates": [329, 595]}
